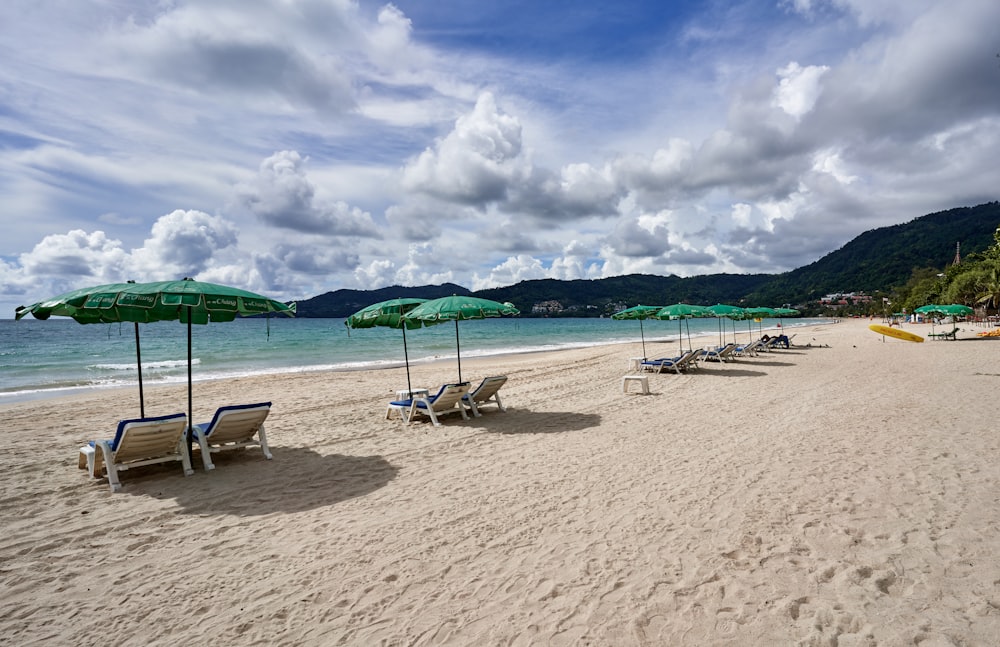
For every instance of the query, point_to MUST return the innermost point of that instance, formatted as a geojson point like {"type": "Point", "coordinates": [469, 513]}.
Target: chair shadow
{"type": "Point", "coordinates": [731, 372]}
{"type": "Point", "coordinates": [523, 421]}
{"type": "Point", "coordinates": [244, 483]}
{"type": "Point", "coordinates": [756, 361]}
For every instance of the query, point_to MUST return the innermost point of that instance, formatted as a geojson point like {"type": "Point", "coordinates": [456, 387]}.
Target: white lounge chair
{"type": "Point", "coordinates": [446, 400]}
{"type": "Point", "coordinates": [675, 364]}
{"type": "Point", "coordinates": [486, 392]}
{"type": "Point", "coordinates": [719, 355]}
{"type": "Point", "coordinates": [232, 427]}
{"type": "Point", "coordinates": [137, 442]}
{"type": "Point", "coordinates": [747, 349]}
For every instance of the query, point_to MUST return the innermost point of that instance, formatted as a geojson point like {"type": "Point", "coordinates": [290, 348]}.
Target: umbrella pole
{"type": "Point", "coordinates": [458, 352]}
{"type": "Point", "coordinates": [138, 364]}
{"type": "Point", "coordinates": [190, 400]}
{"type": "Point", "coordinates": [643, 336]}
{"type": "Point", "coordinates": [406, 357]}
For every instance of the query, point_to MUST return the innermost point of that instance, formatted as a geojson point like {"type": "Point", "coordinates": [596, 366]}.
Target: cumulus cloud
{"type": "Point", "coordinates": [283, 196]}
{"type": "Point", "coordinates": [799, 86]}
{"type": "Point", "coordinates": [476, 162]}
{"type": "Point", "coordinates": [75, 255]}
{"type": "Point", "coordinates": [220, 47]}
{"type": "Point", "coordinates": [181, 244]}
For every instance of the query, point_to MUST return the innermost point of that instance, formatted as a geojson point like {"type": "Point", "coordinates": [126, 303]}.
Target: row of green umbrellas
{"type": "Point", "coordinates": [187, 301]}
{"type": "Point", "coordinates": [409, 313]}
{"type": "Point", "coordinates": [683, 311]}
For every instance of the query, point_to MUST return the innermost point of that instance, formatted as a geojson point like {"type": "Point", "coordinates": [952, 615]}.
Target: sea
{"type": "Point", "coordinates": [40, 359]}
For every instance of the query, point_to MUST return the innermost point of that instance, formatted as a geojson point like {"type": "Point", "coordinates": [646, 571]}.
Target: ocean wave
{"type": "Point", "coordinates": [151, 366]}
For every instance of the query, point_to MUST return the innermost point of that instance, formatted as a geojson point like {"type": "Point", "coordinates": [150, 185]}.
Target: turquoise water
{"type": "Point", "coordinates": [54, 357]}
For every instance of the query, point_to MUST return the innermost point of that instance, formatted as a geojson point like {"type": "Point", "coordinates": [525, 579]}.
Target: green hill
{"type": "Point", "coordinates": [877, 260]}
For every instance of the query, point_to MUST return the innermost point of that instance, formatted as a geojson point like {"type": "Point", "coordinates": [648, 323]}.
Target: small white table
{"type": "Point", "coordinates": [641, 380]}
{"type": "Point", "coordinates": [635, 363]}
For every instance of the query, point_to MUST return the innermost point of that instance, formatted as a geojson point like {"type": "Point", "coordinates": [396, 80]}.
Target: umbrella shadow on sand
{"type": "Point", "coordinates": [522, 421]}
{"type": "Point", "coordinates": [245, 484]}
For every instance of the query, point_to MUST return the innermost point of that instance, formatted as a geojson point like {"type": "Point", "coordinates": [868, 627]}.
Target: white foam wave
{"type": "Point", "coordinates": [151, 366]}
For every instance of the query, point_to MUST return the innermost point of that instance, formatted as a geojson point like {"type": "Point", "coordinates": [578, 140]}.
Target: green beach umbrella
{"type": "Point", "coordinates": [949, 310]}
{"type": "Point", "coordinates": [187, 301]}
{"type": "Point", "coordinates": [457, 308]}
{"type": "Point", "coordinates": [682, 311]}
{"type": "Point", "coordinates": [721, 310]}
{"type": "Point", "coordinates": [639, 312]}
{"type": "Point", "coordinates": [759, 313]}
{"type": "Point", "coordinates": [388, 314]}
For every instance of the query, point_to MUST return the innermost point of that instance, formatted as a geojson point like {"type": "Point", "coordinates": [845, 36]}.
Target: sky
{"type": "Point", "coordinates": [295, 147]}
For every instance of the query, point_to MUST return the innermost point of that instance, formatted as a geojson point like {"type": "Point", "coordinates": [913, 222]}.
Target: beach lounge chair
{"type": "Point", "coordinates": [723, 354]}
{"type": "Point", "coordinates": [945, 335]}
{"type": "Point", "coordinates": [747, 349]}
{"type": "Point", "coordinates": [232, 427]}
{"type": "Point", "coordinates": [446, 400]}
{"type": "Point", "coordinates": [137, 442]}
{"type": "Point", "coordinates": [486, 392]}
{"type": "Point", "coordinates": [675, 364]}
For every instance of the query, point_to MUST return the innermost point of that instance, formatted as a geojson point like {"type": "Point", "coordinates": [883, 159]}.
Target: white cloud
{"type": "Point", "coordinates": [283, 196]}
{"type": "Point", "coordinates": [182, 244]}
{"type": "Point", "coordinates": [476, 162]}
{"type": "Point", "coordinates": [799, 86]}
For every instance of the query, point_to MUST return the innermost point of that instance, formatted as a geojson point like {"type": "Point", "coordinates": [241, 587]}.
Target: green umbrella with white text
{"type": "Point", "coordinates": [457, 308]}
{"type": "Point", "coordinates": [389, 314]}
{"type": "Point", "coordinates": [187, 301]}
{"type": "Point", "coordinates": [639, 312]}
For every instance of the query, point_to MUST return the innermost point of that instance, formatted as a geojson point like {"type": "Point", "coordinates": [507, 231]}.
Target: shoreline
{"type": "Point", "coordinates": [35, 394]}
{"type": "Point", "coordinates": [838, 493]}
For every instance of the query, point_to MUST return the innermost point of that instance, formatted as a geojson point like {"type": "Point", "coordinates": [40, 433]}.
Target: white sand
{"type": "Point", "coordinates": [843, 494]}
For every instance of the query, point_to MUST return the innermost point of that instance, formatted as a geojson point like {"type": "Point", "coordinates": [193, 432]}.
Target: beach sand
{"type": "Point", "coordinates": [840, 494]}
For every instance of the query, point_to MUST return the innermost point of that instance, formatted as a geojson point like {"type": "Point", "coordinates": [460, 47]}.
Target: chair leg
{"type": "Point", "coordinates": [263, 443]}
{"type": "Point", "coordinates": [206, 451]}
{"type": "Point", "coordinates": [182, 447]}
{"type": "Point", "coordinates": [109, 465]}
{"type": "Point", "coordinates": [499, 403]}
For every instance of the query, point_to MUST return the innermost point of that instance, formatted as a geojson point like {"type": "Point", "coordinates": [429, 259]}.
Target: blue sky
{"type": "Point", "coordinates": [301, 146]}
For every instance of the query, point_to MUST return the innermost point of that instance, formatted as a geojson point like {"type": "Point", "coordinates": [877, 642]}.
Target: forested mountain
{"type": "Point", "coordinates": [882, 259]}
{"type": "Point", "coordinates": [877, 260]}
{"type": "Point", "coordinates": [344, 303]}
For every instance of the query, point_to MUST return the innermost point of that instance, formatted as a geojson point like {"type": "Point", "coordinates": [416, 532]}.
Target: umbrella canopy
{"type": "Point", "coordinates": [187, 301]}
{"type": "Point", "coordinates": [721, 310]}
{"type": "Point", "coordinates": [456, 308]}
{"type": "Point", "coordinates": [950, 310]}
{"type": "Point", "coordinates": [681, 311]}
{"type": "Point", "coordinates": [639, 312]}
{"type": "Point", "coordinates": [388, 314]}
{"type": "Point", "coordinates": [759, 313]}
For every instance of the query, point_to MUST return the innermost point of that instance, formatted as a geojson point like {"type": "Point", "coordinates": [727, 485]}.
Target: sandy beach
{"type": "Point", "coordinates": [837, 494]}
